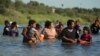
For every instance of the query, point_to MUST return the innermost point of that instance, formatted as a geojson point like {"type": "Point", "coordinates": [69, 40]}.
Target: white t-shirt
{"type": "Point", "coordinates": [32, 32]}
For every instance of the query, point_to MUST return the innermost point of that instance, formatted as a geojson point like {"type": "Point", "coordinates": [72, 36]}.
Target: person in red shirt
{"type": "Point", "coordinates": [86, 37]}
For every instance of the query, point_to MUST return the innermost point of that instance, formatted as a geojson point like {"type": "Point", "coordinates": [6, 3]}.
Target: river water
{"type": "Point", "coordinates": [13, 46]}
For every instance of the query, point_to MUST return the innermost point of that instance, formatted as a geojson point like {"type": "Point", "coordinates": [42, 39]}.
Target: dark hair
{"type": "Point", "coordinates": [97, 17]}
{"type": "Point", "coordinates": [47, 24]}
{"type": "Point", "coordinates": [60, 24]}
{"type": "Point", "coordinates": [87, 29]}
{"type": "Point", "coordinates": [96, 20]}
{"type": "Point", "coordinates": [6, 22]}
{"type": "Point", "coordinates": [69, 22]}
{"type": "Point", "coordinates": [14, 24]}
{"type": "Point", "coordinates": [38, 26]}
{"type": "Point", "coordinates": [76, 21]}
{"type": "Point", "coordinates": [31, 22]}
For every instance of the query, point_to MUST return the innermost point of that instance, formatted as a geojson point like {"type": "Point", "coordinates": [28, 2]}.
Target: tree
{"type": "Point", "coordinates": [33, 3]}
{"type": "Point", "coordinates": [18, 4]}
{"type": "Point", "coordinates": [5, 3]}
{"type": "Point", "coordinates": [2, 9]}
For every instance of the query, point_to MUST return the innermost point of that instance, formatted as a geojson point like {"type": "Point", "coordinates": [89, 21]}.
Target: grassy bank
{"type": "Point", "coordinates": [22, 18]}
{"type": "Point", "coordinates": [19, 11]}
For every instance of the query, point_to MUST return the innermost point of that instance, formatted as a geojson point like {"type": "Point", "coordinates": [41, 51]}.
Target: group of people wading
{"type": "Point", "coordinates": [10, 29]}
{"type": "Point", "coordinates": [68, 35]}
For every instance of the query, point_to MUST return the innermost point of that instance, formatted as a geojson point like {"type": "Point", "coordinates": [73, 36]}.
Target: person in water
{"type": "Point", "coordinates": [39, 30]}
{"type": "Point", "coordinates": [86, 37]}
{"type": "Point", "coordinates": [98, 19]}
{"type": "Point", "coordinates": [30, 33]}
{"type": "Point", "coordinates": [59, 27]}
{"type": "Point", "coordinates": [69, 34]}
{"type": "Point", "coordinates": [95, 27]}
{"type": "Point", "coordinates": [14, 29]}
{"type": "Point", "coordinates": [6, 28]}
{"type": "Point", "coordinates": [49, 31]}
{"type": "Point", "coordinates": [77, 26]}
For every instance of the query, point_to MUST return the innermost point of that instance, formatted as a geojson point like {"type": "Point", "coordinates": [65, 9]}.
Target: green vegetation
{"type": "Point", "coordinates": [21, 12]}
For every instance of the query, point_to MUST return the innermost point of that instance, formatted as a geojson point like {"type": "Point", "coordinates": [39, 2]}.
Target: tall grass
{"type": "Point", "coordinates": [22, 18]}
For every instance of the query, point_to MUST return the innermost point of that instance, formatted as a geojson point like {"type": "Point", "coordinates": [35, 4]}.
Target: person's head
{"type": "Point", "coordinates": [57, 21]}
{"type": "Point", "coordinates": [97, 22]}
{"type": "Point", "coordinates": [70, 24]}
{"type": "Point", "coordinates": [98, 19]}
{"type": "Point", "coordinates": [77, 22]}
{"type": "Point", "coordinates": [32, 23]}
{"type": "Point", "coordinates": [14, 24]}
{"type": "Point", "coordinates": [60, 24]}
{"type": "Point", "coordinates": [86, 30]}
{"type": "Point", "coordinates": [49, 24]}
{"type": "Point", "coordinates": [7, 23]}
{"type": "Point", "coordinates": [38, 26]}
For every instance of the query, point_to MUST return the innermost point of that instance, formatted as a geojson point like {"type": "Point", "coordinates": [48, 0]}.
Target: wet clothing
{"type": "Point", "coordinates": [71, 35]}
{"type": "Point", "coordinates": [25, 37]}
{"type": "Point", "coordinates": [26, 40]}
{"type": "Point", "coordinates": [14, 32]}
{"type": "Point", "coordinates": [59, 28]}
{"type": "Point", "coordinates": [6, 30]}
{"type": "Point", "coordinates": [29, 34]}
{"type": "Point", "coordinates": [49, 33]}
{"type": "Point", "coordinates": [32, 32]}
{"type": "Point", "coordinates": [86, 37]}
{"type": "Point", "coordinates": [77, 27]}
{"type": "Point", "coordinates": [94, 29]}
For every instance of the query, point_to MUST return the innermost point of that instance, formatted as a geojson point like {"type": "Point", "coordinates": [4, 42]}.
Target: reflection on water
{"type": "Point", "coordinates": [10, 46]}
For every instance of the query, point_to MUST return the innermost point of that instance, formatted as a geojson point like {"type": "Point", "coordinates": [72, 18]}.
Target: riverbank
{"type": "Point", "coordinates": [23, 18]}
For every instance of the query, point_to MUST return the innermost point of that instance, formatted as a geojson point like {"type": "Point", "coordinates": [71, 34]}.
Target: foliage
{"type": "Point", "coordinates": [19, 11]}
